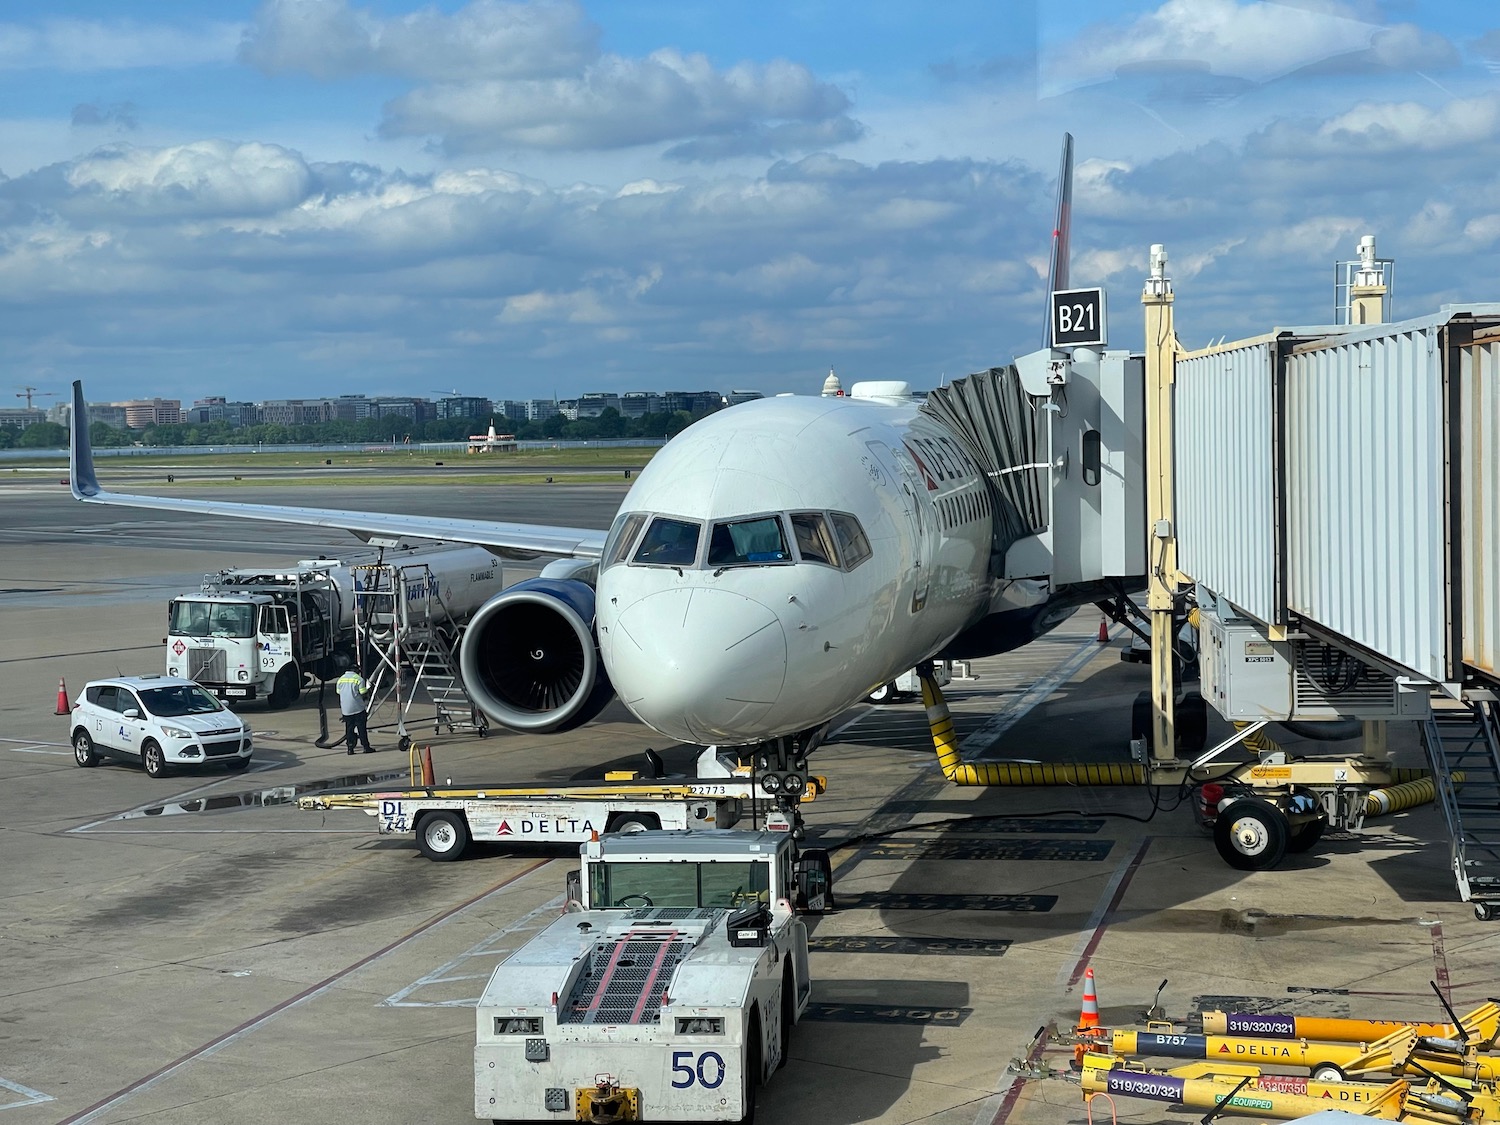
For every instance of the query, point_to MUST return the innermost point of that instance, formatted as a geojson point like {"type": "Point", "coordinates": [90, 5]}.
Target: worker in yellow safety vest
{"type": "Point", "coordinates": [352, 691]}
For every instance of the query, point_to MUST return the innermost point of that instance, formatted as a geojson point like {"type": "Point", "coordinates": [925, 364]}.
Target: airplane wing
{"type": "Point", "coordinates": [514, 540]}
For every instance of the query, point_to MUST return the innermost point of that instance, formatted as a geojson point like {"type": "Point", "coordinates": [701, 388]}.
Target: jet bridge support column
{"type": "Point", "coordinates": [1161, 573]}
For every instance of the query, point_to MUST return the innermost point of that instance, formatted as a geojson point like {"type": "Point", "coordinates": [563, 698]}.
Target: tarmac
{"type": "Point", "coordinates": [197, 950]}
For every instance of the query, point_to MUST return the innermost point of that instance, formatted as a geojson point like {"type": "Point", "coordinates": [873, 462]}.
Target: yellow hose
{"type": "Point", "coordinates": [959, 772]}
{"type": "Point", "coordinates": [1412, 787]}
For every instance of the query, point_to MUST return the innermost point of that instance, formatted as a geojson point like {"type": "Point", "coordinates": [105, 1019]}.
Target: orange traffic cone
{"type": "Point", "coordinates": [1103, 632]}
{"type": "Point", "coordinates": [62, 698]}
{"type": "Point", "coordinates": [427, 765]}
{"type": "Point", "coordinates": [1089, 1017]}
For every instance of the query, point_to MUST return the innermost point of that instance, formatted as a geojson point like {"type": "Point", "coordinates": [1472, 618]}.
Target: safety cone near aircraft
{"type": "Point", "coordinates": [1088, 1019]}
{"type": "Point", "coordinates": [62, 697]}
{"type": "Point", "coordinates": [1103, 632]}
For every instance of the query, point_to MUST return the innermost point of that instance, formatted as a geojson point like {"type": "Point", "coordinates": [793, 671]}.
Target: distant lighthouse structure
{"type": "Point", "coordinates": [492, 442]}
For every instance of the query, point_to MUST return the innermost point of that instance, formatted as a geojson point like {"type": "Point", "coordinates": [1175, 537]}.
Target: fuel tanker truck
{"type": "Point", "coordinates": [258, 633]}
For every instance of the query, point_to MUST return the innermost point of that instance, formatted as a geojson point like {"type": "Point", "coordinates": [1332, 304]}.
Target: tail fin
{"type": "Point", "coordinates": [1057, 266]}
{"type": "Point", "coordinates": [80, 450]}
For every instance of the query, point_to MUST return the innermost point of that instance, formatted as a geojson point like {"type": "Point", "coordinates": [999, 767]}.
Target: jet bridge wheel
{"type": "Point", "coordinates": [443, 835]}
{"type": "Point", "coordinates": [1251, 834]}
{"type": "Point", "coordinates": [1305, 835]}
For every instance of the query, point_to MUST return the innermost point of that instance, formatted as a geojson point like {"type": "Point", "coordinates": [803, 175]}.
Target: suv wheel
{"type": "Point", "coordinates": [83, 749]}
{"type": "Point", "coordinates": [153, 759]}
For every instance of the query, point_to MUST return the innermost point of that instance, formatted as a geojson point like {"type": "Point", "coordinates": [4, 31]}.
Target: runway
{"type": "Point", "coordinates": [196, 949]}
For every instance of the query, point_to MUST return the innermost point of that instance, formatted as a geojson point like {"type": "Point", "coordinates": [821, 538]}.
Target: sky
{"type": "Point", "coordinates": [538, 198]}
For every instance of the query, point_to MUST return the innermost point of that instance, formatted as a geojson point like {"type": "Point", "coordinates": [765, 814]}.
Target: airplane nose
{"type": "Point", "coordinates": [699, 665]}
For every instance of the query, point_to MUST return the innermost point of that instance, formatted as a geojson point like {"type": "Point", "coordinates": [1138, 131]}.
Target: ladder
{"type": "Point", "coordinates": [1465, 739]}
{"type": "Point", "coordinates": [401, 624]}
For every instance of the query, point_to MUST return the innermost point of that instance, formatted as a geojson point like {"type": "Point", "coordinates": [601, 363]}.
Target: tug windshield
{"type": "Point", "coordinates": [681, 885]}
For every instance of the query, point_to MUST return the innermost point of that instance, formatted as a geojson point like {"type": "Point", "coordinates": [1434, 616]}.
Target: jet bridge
{"type": "Point", "coordinates": [1328, 498]}
{"type": "Point", "coordinates": [1060, 437]}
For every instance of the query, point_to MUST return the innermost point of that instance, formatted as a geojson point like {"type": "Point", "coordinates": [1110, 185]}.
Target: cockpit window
{"type": "Point", "coordinates": [669, 542]}
{"type": "Point", "coordinates": [852, 542]}
{"type": "Point", "coordinates": [748, 543]}
{"type": "Point", "coordinates": [815, 541]}
{"type": "Point", "coordinates": [622, 537]}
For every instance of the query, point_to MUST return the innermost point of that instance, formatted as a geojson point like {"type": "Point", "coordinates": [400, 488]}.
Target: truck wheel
{"type": "Point", "coordinates": [633, 822]}
{"type": "Point", "coordinates": [443, 835]}
{"type": "Point", "coordinates": [883, 694]}
{"type": "Point", "coordinates": [83, 749]}
{"type": "Point", "coordinates": [153, 759]}
{"type": "Point", "coordinates": [788, 1014]}
{"type": "Point", "coordinates": [1251, 834]}
{"type": "Point", "coordinates": [752, 1071]}
{"type": "Point", "coordinates": [286, 689]}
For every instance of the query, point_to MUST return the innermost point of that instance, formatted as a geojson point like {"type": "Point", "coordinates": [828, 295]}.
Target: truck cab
{"type": "Point", "coordinates": [666, 991]}
{"type": "Point", "coordinates": [248, 645]}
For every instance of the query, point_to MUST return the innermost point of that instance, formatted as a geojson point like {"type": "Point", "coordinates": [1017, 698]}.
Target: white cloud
{"type": "Point", "coordinates": [202, 178]}
{"type": "Point", "coordinates": [614, 103]}
{"type": "Point", "coordinates": [484, 39]}
{"type": "Point", "coordinates": [508, 74]}
{"type": "Point", "coordinates": [1408, 126]}
{"type": "Point", "coordinates": [89, 45]}
{"type": "Point", "coordinates": [1185, 42]}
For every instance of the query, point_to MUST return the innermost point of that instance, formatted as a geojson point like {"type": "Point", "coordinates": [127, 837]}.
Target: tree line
{"type": "Point", "coordinates": [611, 424]}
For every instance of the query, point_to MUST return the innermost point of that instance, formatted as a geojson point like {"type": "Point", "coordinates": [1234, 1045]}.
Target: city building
{"type": "Point", "coordinates": [216, 408]}
{"type": "Point", "coordinates": [143, 413]}
{"type": "Point", "coordinates": [737, 397]}
{"type": "Point", "coordinates": [297, 411]}
{"type": "Point", "coordinates": [596, 403]}
{"type": "Point", "coordinates": [464, 406]}
{"type": "Point", "coordinates": [637, 404]}
{"type": "Point", "coordinates": [513, 410]}
{"type": "Point", "coordinates": [19, 417]}
{"type": "Point", "coordinates": [351, 408]}
{"type": "Point", "coordinates": [694, 402]}
{"type": "Point", "coordinates": [540, 409]}
{"type": "Point", "coordinates": [568, 408]}
{"type": "Point", "coordinates": [403, 406]}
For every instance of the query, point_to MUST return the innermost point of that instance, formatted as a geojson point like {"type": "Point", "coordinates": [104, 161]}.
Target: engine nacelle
{"type": "Point", "coordinates": [529, 659]}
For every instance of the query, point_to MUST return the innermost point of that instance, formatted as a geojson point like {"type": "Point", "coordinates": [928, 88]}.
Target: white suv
{"type": "Point", "coordinates": [161, 720]}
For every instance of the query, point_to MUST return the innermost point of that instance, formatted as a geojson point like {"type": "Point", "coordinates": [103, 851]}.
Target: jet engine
{"type": "Point", "coordinates": [529, 659]}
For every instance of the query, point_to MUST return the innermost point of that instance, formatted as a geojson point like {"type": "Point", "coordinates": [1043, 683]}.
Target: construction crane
{"type": "Point", "coordinates": [29, 393]}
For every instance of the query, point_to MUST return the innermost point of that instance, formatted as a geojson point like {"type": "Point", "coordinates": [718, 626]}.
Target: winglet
{"type": "Point", "coordinates": [1062, 224]}
{"type": "Point", "coordinates": [80, 451]}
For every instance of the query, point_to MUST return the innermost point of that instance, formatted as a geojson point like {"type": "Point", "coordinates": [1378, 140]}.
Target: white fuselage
{"type": "Point", "coordinates": [753, 651]}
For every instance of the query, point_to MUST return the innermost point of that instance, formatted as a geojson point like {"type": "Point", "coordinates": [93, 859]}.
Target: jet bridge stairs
{"type": "Point", "coordinates": [1464, 740]}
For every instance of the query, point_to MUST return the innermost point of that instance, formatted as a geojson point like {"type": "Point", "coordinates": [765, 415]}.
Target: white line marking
{"type": "Point", "coordinates": [486, 948]}
{"type": "Point", "coordinates": [36, 750]}
{"type": "Point", "coordinates": [842, 727]}
{"type": "Point", "coordinates": [28, 1095]}
{"type": "Point", "coordinates": [32, 742]}
{"type": "Point", "coordinates": [997, 724]}
{"type": "Point", "coordinates": [218, 1045]}
{"type": "Point", "coordinates": [1087, 930]}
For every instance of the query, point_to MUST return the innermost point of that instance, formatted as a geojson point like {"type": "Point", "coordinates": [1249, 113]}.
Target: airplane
{"type": "Point", "coordinates": [771, 566]}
